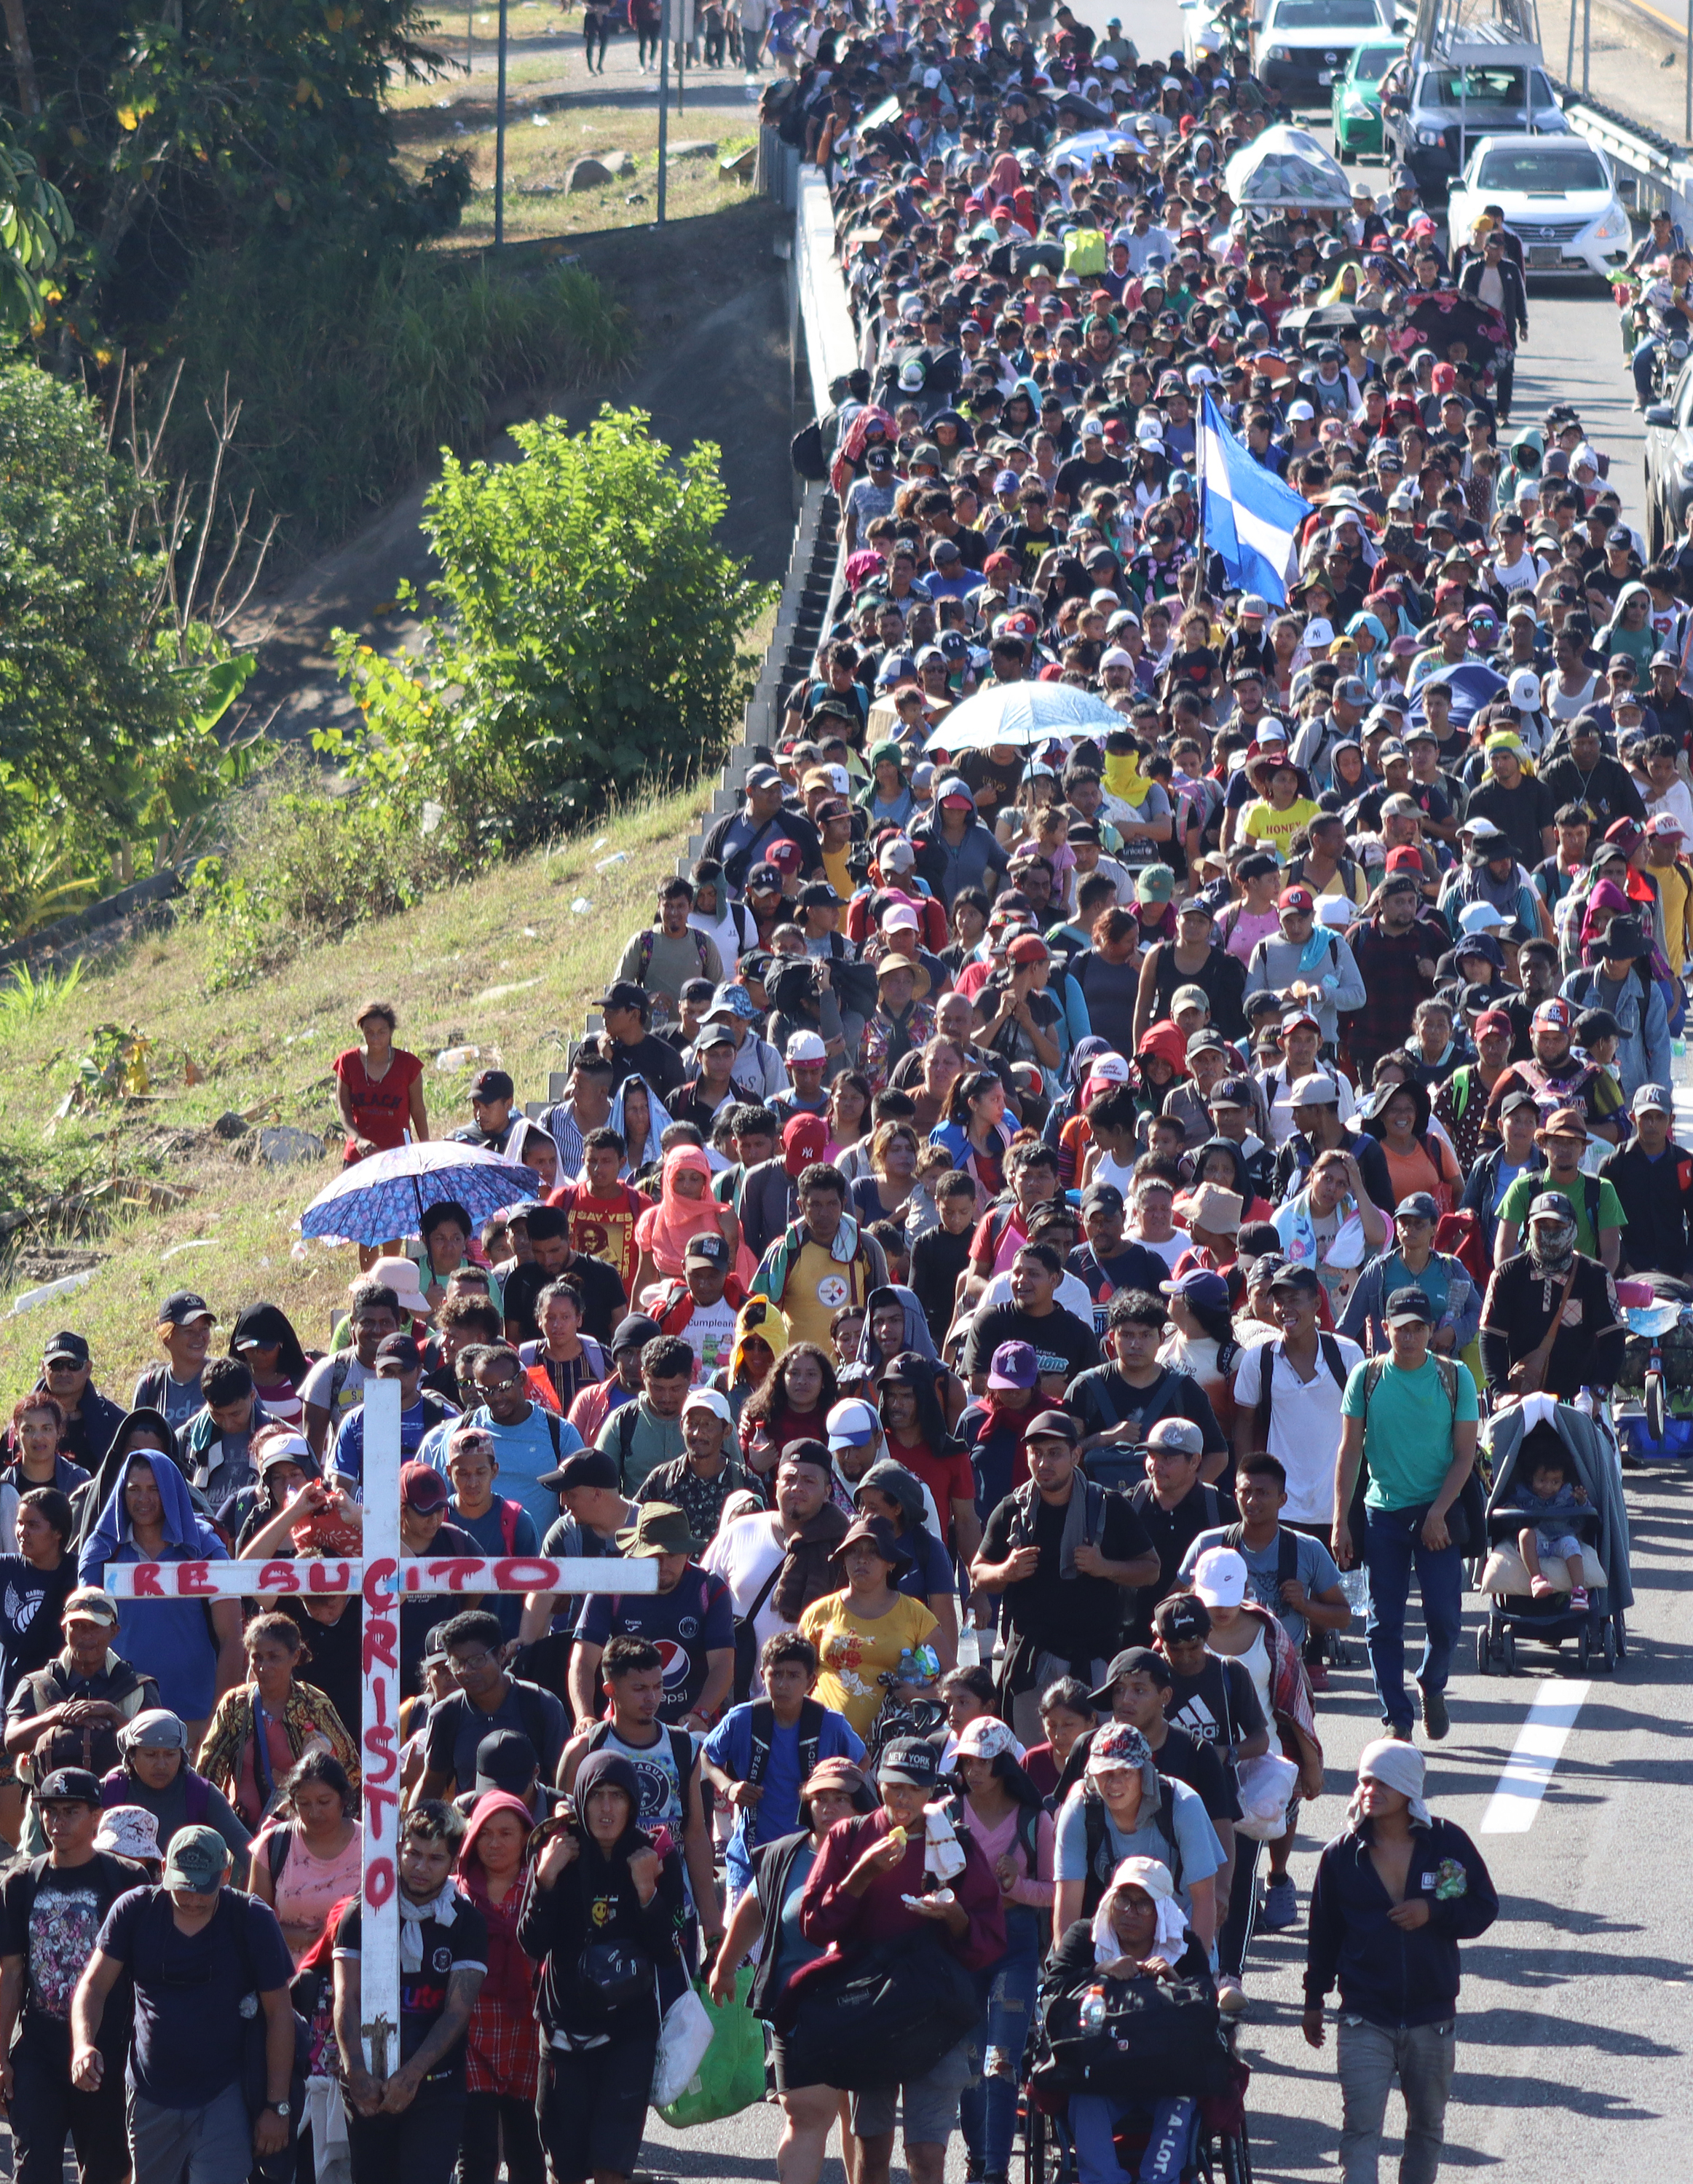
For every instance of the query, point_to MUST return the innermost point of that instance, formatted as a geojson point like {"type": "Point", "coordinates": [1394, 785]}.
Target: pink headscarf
{"type": "Point", "coordinates": [667, 1229]}
{"type": "Point", "coordinates": [1607, 895]}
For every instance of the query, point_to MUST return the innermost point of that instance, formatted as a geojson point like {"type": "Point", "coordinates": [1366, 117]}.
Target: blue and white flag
{"type": "Point", "coordinates": [1251, 519]}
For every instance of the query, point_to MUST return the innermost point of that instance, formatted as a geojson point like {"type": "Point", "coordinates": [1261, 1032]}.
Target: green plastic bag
{"type": "Point", "coordinates": [732, 2076]}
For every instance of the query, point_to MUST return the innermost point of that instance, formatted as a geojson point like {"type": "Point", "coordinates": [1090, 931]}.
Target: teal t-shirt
{"type": "Point", "coordinates": [1408, 1433]}
{"type": "Point", "coordinates": [1522, 1194]}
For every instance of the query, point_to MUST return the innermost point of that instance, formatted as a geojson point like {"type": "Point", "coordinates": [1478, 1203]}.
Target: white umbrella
{"type": "Point", "coordinates": [1021, 713]}
{"type": "Point", "coordinates": [1287, 167]}
{"type": "Point", "coordinates": [1083, 150]}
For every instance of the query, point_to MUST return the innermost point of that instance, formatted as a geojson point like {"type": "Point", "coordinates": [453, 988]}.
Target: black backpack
{"type": "Point", "coordinates": [762, 1726]}
{"type": "Point", "coordinates": [806, 451]}
{"type": "Point", "coordinates": [1331, 1357]}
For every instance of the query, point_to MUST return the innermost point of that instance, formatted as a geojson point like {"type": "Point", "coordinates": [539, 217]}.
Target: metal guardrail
{"type": "Point", "coordinates": [1660, 170]}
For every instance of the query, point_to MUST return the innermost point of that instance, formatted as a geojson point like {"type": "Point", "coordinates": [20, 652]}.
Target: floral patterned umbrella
{"type": "Point", "coordinates": [384, 1195]}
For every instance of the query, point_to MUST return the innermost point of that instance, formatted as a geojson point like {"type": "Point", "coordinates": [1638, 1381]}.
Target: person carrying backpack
{"type": "Point", "coordinates": [1124, 1807]}
{"type": "Point", "coordinates": [1288, 1395]}
{"type": "Point", "coordinates": [1411, 1420]}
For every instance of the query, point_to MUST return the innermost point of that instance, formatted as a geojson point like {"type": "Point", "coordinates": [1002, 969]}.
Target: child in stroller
{"type": "Point", "coordinates": [1549, 1496]}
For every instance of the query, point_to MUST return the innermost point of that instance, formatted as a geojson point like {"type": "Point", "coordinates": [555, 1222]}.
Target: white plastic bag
{"type": "Point", "coordinates": [683, 2040]}
{"type": "Point", "coordinates": [1349, 1248]}
{"type": "Point", "coordinates": [1263, 1786]}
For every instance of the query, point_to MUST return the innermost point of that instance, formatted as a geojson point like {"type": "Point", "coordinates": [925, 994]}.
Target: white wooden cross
{"type": "Point", "coordinates": [379, 1576]}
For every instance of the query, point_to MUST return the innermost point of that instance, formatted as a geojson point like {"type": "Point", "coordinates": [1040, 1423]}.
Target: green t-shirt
{"type": "Point", "coordinates": [1522, 1194]}
{"type": "Point", "coordinates": [1408, 1433]}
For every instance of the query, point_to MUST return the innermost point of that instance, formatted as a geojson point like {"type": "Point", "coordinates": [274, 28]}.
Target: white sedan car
{"type": "Point", "coordinates": [1558, 195]}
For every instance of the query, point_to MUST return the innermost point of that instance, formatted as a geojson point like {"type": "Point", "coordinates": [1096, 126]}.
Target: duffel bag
{"type": "Point", "coordinates": [1160, 2039]}
{"type": "Point", "coordinates": [881, 2017]}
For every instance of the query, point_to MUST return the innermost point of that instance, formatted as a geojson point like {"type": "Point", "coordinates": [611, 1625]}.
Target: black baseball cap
{"type": "Point", "coordinates": [1132, 1661]}
{"type": "Point", "coordinates": [621, 993]}
{"type": "Point", "coordinates": [1054, 1425]}
{"type": "Point", "coordinates": [66, 1347]}
{"type": "Point", "coordinates": [181, 1309]}
{"type": "Point", "coordinates": [584, 1467]}
{"type": "Point", "coordinates": [1409, 1304]}
{"type": "Point", "coordinates": [911, 1759]}
{"type": "Point", "coordinates": [492, 1084]}
{"type": "Point", "coordinates": [1288, 1277]}
{"type": "Point", "coordinates": [69, 1785]}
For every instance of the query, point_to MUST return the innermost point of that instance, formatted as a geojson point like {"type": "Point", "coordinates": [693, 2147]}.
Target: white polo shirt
{"type": "Point", "coordinates": [1305, 1423]}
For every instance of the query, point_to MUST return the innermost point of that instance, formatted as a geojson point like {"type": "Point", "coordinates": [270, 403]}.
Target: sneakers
{"type": "Point", "coordinates": [1231, 1995]}
{"type": "Point", "coordinates": [1436, 1721]}
{"type": "Point", "coordinates": [1400, 1731]}
{"type": "Point", "coordinates": [1577, 1599]}
{"type": "Point", "coordinates": [1280, 1906]}
{"type": "Point", "coordinates": [1317, 1674]}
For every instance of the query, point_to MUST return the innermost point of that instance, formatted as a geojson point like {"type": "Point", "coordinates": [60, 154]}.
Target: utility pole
{"type": "Point", "coordinates": [664, 101]}
{"type": "Point", "coordinates": [500, 141]}
{"type": "Point", "coordinates": [1586, 43]}
{"type": "Point", "coordinates": [1687, 123]}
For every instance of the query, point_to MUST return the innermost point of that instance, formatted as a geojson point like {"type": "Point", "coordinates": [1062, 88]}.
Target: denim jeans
{"type": "Point", "coordinates": [1092, 2120]}
{"type": "Point", "coordinates": [988, 2108]}
{"type": "Point", "coordinates": [1370, 2057]}
{"type": "Point", "coordinates": [1393, 1548]}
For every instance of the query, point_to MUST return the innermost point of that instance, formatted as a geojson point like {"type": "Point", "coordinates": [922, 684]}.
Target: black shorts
{"type": "Point", "coordinates": [593, 2108]}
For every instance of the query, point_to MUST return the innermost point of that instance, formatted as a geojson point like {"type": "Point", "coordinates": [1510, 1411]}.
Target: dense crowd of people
{"type": "Point", "coordinates": [1029, 1250]}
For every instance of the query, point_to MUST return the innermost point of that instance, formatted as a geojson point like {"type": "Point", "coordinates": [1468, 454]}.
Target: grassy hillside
{"type": "Point", "coordinates": [504, 963]}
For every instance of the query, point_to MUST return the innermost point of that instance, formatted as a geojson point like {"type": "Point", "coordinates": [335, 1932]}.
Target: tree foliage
{"type": "Point", "coordinates": [110, 703]}
{"type": "Point", "coordinates": [199, 124]}
{"type": "Point", "coordinates": [34, 225]}
{"type": "Point", "coordinates": [591, 636]}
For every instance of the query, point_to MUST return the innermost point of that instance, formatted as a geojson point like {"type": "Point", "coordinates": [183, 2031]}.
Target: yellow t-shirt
{"type": "Point", "coordinates": [853, 1651]}
{"type": "Point", "coordinates": [1277, 829]}
{"type": "Point", "coordinates": [818, 1286]}
{"type": "Point", "coordinates": [1675, 882]}
{"type": "Point", "coordinates": [840, 874]}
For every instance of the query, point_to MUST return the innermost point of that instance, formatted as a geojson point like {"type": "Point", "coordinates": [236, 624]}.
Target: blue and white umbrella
{"type": "Point", "coordinates": [384, 1195]}
{"type": "Point", "coordinates": [1083, 150]}
{"type": "Point", "coordinates": [1021, 713]}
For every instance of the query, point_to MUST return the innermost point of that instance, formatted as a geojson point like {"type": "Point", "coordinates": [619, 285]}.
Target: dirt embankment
{"type": "Point", "coordinates": [708, 298]}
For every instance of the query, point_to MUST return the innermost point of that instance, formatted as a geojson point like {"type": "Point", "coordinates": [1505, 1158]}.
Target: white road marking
{"type": "Point", "coordinates": [1539, 1745]}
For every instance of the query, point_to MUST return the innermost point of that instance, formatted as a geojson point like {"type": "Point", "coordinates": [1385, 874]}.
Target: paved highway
{"type": "Point", "coordinates": [1577, 2015]}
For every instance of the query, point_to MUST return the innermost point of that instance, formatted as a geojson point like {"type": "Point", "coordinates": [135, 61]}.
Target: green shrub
{"type": "Point", "coordinates": [306, 868]}
{"type": "Point", "coordinates": [354, 367]}
{"type": "Point", "coordinates": [591, 638]}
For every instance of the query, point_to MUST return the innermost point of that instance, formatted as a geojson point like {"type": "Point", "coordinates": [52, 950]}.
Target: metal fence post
{"type": "Point", "coordinates": [499, 140]}
{"type": "Point", "coordinates": [664, 101]}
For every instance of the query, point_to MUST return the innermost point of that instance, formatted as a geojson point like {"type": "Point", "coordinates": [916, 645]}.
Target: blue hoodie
{"type": "Point", "coordinates": [170, 1640]}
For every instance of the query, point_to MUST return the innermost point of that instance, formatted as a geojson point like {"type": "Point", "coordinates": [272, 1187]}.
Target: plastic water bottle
{"type": "Point", "coordinates": [1093, 2013]}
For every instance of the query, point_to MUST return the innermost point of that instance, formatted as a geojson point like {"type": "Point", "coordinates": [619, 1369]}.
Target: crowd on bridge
{"type": "Point", "coordinates": [1108, 1171]}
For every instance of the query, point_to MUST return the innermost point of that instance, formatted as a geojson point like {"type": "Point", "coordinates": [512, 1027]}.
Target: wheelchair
{"type": "Point", "coordinates": [1218, 2152]}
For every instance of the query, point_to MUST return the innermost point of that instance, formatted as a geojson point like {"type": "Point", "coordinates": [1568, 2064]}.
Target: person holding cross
{"type": "Point", "coordinates": [406, 2126]}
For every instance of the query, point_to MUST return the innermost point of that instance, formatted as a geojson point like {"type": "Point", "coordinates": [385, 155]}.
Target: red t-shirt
{"type": "Point", "coordinates": [603, 1228]}
{"type": "Point", "coordinates": [949, 1479]}
{"type": "Point", "coordinates": [382, 1106]}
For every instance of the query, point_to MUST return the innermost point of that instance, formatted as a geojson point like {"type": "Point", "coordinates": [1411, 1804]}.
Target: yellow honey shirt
{"type": "Point", "coordinates": [852, 1650]}
{"type": "Point", "coordinates": [1277, 829]}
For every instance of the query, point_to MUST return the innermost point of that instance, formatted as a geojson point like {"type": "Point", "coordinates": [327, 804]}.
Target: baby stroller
{"type": "Point", "coordinates": [1599, 1630]}
{"type": "Point", "coordinates": [1652, 1401]}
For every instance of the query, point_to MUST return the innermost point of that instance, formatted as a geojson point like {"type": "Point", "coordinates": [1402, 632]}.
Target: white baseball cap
{"type": "Point", "coordinates": [1525, 690]}
{"type": "Point", "coordinates": [1219, 1578]}
{"type": "Point", "coordinates": [805, 1046]}
{"type": "Point", "coordinates": [708, 1399]}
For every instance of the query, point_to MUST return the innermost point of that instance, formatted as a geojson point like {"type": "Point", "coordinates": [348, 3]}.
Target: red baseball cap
{"type": "Point", "coordinates": [1296, 898]}
{"type": "Point", "coordinates": [1404, 859]}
